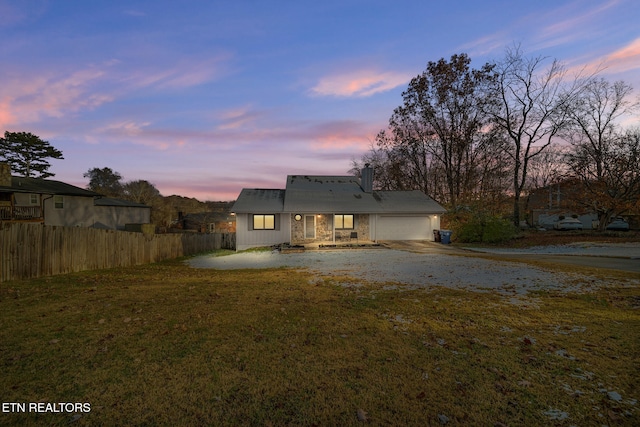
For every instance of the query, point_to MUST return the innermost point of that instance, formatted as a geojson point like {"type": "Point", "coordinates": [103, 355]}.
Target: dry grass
{"type": "Point", "coordinates": [531, 238]}
{"type": "Point", "coordinates": [169, 345]}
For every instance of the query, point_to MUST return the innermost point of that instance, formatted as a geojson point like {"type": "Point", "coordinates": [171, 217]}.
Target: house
{"type": "Point", "coordinates": [117, 214]}
{"type": "Point", "coordinates": [330, 209]}
{"type": "Point", "coordinates": [547, 205]}
{"type": "Point", "coordinates": [52, 202]}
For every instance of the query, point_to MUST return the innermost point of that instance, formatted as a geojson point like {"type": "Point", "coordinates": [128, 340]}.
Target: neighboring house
{"type": "Point", "coordinates": [116, 214]}
{"type": "Point", "coordinates": [208, 222]}
{"type": "Point", "coordinates": [547, 205]}
{"type": "Point", "coordinates": [329, 209]}
{"type": "Point", "coordinates": [56, 203]}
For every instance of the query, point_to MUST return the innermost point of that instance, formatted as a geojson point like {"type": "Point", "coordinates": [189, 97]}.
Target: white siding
{"type": "Point", "coordinates": [246, 239]}
{"type": "Point", "coordinates": [405, 227]}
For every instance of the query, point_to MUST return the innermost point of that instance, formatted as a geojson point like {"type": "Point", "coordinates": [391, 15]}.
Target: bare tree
{"type": "Point", "coordinates": [593, 118]}
{"type": "Point", "coordinates": [604, 159]}
{"type": "Point", "coordinates": [612, 187]}
{"type": "Point", "coordinates": [549, 167]}
{"type": "Point", "coordinates": [530, 109]}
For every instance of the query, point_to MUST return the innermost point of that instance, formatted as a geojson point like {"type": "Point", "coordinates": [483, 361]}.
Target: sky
{"type": "Point", "coordinates": [204, 98]}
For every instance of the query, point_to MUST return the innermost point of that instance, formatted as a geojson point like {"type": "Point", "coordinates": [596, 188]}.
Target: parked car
{"type": "Point", "coordinates": [618, 224]}
{"type": "Point", "coordinates": [568, 224]}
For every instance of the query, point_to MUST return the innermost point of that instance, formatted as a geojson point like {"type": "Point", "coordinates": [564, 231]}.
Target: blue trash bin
{"type": "Point", "coordinates": [445, 236]}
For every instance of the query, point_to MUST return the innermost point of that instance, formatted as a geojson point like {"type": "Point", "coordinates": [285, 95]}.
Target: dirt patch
{"type": "Point", "coordinates": [409, 270]}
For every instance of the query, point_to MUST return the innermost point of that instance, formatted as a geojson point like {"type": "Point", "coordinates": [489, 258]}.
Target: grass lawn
{"type": "Point", "coordinates": [168, 345]}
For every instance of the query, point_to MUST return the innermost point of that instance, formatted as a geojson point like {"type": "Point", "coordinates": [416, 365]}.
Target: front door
{"type": "Point", "coordinates": [310, 227]}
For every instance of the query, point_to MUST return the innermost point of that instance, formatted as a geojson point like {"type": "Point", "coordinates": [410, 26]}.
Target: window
{"type": "Point", "coordinates": [58, 202]}
{"type": "Point", "coordinates": [344, 222]}
{"type": "Point", "coordinates": [34, 199]}
{"type": "Point", "coordinates": [264, 222]}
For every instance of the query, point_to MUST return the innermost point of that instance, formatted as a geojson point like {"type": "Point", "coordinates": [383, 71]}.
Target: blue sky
{"type": "Point", "coordinates": [203, 98]}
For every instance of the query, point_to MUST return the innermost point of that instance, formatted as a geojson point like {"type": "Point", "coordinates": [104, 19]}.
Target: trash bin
{"type": "Point", "coordinates": [445, 236]}
{"type": "Point", "coordinates": [436, 235]}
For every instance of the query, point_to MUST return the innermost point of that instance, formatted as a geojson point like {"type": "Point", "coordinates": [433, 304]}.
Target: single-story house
{"type": "Point", "coordinates": [116, 214]}
{"type": "Point", "coordinates": [51, 202]}
{"type": "Point", "coordinates": [329, 209]}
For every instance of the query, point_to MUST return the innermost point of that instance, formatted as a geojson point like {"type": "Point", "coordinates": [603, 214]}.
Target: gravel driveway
{"type": "Point", "coordinates": [399, 268]}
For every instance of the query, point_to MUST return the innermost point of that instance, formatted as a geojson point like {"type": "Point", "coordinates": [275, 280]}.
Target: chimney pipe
{"type": "Point", "coordinates": [366, 178]}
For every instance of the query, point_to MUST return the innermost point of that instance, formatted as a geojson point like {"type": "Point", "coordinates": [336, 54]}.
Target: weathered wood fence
{"type": "Point", "coordinates": [35, 250]}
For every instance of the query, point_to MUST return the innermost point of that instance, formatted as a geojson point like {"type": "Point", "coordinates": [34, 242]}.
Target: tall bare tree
{"type": "Point", "coordinates": [614, 188]}
{"type": "Point", "coordinates": [531, 110]}
{"type": "Point", "coordinates": [593, 118]}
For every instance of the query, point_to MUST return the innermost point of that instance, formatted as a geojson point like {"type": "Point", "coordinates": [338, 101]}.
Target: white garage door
{"type": "Point", "coordinates": [404, 228]}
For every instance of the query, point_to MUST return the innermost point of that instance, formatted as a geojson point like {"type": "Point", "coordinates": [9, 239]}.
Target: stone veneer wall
{"type": "Point", "coordinates": [324, 229]}
{"type": "Point", "coordinates": [5, 175]}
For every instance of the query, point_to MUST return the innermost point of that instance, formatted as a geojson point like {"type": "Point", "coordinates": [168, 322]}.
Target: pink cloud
{"type": "Point", "coordinates": [30, 97]}
{"type": "Point", "coordinates": [359, 83]}
{"type": "Point", "coordinates": [237, 118]}
{"type": "Point", "coordinates": [341, 134]}
{"type": "Point", "coordinates": [625, 59]}
{"type": "Point", "coordinates": [185, 73]}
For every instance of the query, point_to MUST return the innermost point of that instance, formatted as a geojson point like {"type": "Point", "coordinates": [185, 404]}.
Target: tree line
{"type": "Point", "coordinates": [164, 209]}
{"type": "Point", "coordinates": [482, 139]}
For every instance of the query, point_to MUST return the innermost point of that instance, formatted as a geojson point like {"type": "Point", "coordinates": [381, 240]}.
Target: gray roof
{"type": "Point", "coordinates": [324, 183]}
{"type": "Point", "coordinates": [414, 201]}
{"type": "Point", "coordinates": [258, 200]}
{"type": "Point", "coordinates": [333, 194]}
{"type": "Point", "coordinates": [108, 201]}
{"type": "Point", "coordinates": [21, 184]}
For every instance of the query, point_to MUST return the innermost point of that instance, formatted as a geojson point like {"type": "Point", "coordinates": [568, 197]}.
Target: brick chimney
{"type": "Point", "coordinates": [5, 175]}
{"type": "Point", "coordinates": [366, 178]}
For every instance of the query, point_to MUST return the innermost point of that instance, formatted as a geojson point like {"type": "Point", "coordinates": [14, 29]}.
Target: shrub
{"type": "Point", "coordinates": [478, 227]}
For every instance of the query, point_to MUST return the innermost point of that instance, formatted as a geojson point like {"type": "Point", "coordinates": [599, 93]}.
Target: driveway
{"type": "Point", "coordinates": [410, 265]}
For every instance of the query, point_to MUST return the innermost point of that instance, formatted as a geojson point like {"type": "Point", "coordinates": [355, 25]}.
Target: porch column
{"type": "Point", "coordinates": [333, 227]}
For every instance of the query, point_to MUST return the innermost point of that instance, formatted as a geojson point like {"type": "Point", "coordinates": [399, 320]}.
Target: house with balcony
{"type": "Point", "coordinates": [51, 202]}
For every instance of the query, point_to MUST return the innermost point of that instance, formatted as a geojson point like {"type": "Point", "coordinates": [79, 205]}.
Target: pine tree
{"type": "Point", "coordinates": [27, 154]}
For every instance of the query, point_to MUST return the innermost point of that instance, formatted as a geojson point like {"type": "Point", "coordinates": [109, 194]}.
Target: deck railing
{"type": "Point", "coordinates": [20, 213]}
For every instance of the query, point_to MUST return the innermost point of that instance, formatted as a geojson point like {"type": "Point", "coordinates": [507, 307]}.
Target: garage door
{"type": "Point", "coordinates": [404, 228]}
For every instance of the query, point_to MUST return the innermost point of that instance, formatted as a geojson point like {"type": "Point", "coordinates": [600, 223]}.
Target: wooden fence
{"type": "Point", "coordinates": [36, 250]}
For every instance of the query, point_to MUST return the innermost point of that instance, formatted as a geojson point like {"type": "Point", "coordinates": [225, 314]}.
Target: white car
{"type": "Point", "coordinates": [618, 224]}
{"type": "Point", "coordinates": [568, 224]}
